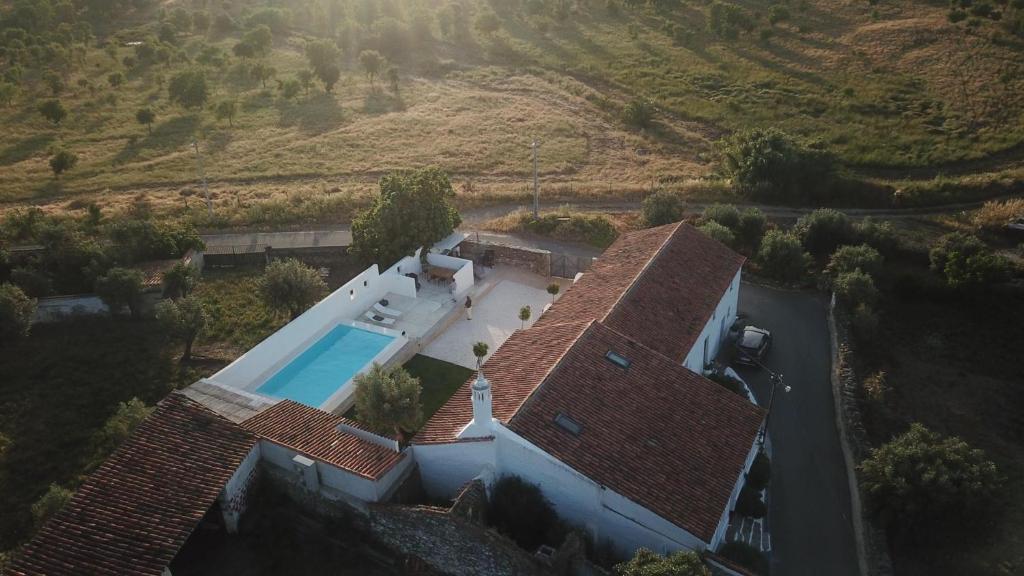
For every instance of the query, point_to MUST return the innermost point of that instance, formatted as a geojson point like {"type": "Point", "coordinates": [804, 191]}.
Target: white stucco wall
{"type": "Point", "coordinates": [716, 328]}
{"type": "Point", "coordinates": [463, 279]}
{"type": "Point", "coordinates": [234, 496]}
{"type": "Point", "coordinates": [444, 468]}
{"type": "Point", "coordinates": [723, 522]}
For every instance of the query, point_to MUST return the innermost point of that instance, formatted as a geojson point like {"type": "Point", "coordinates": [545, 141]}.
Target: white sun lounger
{"type": "Point", "coordinates": [382, 309]}
{"type": "Point", "coordinates": [379, 319]}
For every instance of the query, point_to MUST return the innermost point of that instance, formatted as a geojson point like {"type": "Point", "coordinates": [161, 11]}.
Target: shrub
{"type": "Point", "coordinates": [760, 472]}
{"type": "Point", "coordinates": [855, 288]}
{"type": "Point", "coordinates": [725, 214]}
{"type": "Point", "coordinates": [53, 111]}
{"type": "Point", "coordinates": [767, 164]}
{"type": "Point", "coordinates": [34, 283]}
{"type": "Point", "coordinates": [183, 320]}
{"type": "Point", "coordinates": [594, 229]}
{"type": "Point", "coordinates": [180, 280]}
{"type": "Point", "coordinates": [647, 563]}
{"type": "Point", "coordinates": [745, 555]}
{"type": "Point", "coordinates": [921, 478]}
{"type": "Point", "coordinates": [189, 89]}
{"type": "Point", "coordinates": [291, 286]}
{"type": "Point", "coordinates": [718, 232]}
{"type": "Point", "coordinates": [121, 287]}
{"type": "Point", "coordinates": [662, 207]}
{"type": "Point", "coordinates": [782, 257]}
{"type": "Point", "coordinates": [50, 503]}
{"type": "Point", "coordinates": [749, 503]}
{"type": "Point", "coordinates": [823, 230]}
{"type": "Point", "coordinates": [520, 511]}
{"type": "Point", "coordinates": [388, 399]}
{"type": "Point", "coordinates": [638, 113]}
{"type": "Point", "coordinates": [849, 258]}
{"type": "Point", "coordinates": [751, 227]}
{"type": "Point", "coordinates": [16, 312]}
{"type": "Point", "coordinates": [62, 161]}
{"type": "Point", "coordinates": [966, 262]}
{"type": "Point", "coordinates": [879, 235]}
{"type": "Point", "coordinates": [995, 215]}
{"type": "Point", "coordinates": [118, 428]}
{"type": "Point", "coordinates": [728, 20]}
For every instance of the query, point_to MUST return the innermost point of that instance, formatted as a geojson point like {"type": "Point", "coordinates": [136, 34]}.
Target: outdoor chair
{"type": "Point", "coordinates": [379, 319]}
{"type": "Point", "coordinates": [382, 309]}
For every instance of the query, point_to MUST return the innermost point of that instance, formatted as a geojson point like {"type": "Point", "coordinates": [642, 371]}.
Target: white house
{"type": "Point", "coordinates": [601, 403]}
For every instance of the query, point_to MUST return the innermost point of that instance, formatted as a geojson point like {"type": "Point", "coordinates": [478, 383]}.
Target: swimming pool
{"type": "Point", "coordinates": [323, 368]}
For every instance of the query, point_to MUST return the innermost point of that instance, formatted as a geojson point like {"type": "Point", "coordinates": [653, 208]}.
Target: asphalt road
{"type": "Point", "coordinates": [809, 508]}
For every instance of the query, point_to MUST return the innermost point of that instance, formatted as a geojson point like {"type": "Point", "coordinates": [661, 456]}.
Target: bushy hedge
{"type": "Point", "coordinates": [520, 511]}
{"type": "Point", "coordinates": [782, 257]}
{"type": "Point", "coordinates": [823, 230]}
{"type": "Point", "coordinates": [662, 207]}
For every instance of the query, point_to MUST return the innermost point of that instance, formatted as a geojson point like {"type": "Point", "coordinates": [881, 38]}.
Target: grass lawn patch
{"type": "Point", "coordinates": [440, 380]}
{"type": "Point", "coordinates": [59, 386]}
{"type": "Point", "coordinates": [237, 315]}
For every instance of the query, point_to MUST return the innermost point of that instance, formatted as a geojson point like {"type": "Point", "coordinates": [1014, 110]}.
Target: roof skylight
{"type": "Point", "coordinates": [617, 359]}
{"type": "Point", "coordinates": [568, 424]}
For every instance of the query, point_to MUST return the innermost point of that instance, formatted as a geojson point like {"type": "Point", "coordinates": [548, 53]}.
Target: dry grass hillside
{"type": "Point", "coordinates": [895, 90]}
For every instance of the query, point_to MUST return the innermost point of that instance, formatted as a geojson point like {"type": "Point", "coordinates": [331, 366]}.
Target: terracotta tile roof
{"type": "Point", "coordinates": [133, 514]}
{"type": "Point", "coordinates": [315, 433]}
{"type": "Point", "coordinates": [657, 433]}
{"type": "Point", "coordinates": [153, 271]}
{"type": "Point", "coordinates": [514, 370]}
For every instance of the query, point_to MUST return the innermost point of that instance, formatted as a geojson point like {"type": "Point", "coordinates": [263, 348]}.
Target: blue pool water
{"type": "Point", "coordinates": [325, 366]}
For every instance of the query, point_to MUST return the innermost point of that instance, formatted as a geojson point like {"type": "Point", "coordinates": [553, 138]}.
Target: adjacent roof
{"type": "Point", "coordinates": [315, 433]}
{"type": "Point", "coordinates": [655, 432]}
{"type": "Point", "coordinates": [133, 514]}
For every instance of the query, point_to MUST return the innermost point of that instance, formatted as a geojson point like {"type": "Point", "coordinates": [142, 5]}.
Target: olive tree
{"type": "Point", "coordinates": [146, 116]}
{"type": "Point", "coordinates": [388, 399]}
{"type": "Point", "coordinates": [782, 257]}
{"type": "Point", "coordinates": [292, 286]}
{"type": "Point", "coordinates": [16, 312]}
{"type": "Point", "coordinates": [965, 262]}
{"type": "Point", "coordinates": [372, 63]}
{"type": "Point", "coordinates": [182, 319]}
{"type": "Point", "coordinates": [189, 89]}
{"type": "Point", "coordinates": [53, 111]}
{"type": "Point", "coordinates": [226, 110]}
{"type": "Point", "coordinates": [662, 207]}
{"type": "Point", "coordinates": [62, 161]}
{"type": "Point", "coordinates": [121, 287]}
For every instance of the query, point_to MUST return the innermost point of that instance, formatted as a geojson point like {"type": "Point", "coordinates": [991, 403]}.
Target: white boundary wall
{"type": "Point", "coordinates": [716, 329]}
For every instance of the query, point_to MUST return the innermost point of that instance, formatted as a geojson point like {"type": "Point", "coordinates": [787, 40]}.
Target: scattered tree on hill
{"type": "Point", "coordinates": [648, 563]}
{"type": "Point", "coordinates": [767, 164]}
{"type": "Point", "coordinates": [662, 207]}
{"type": "Point", "coordinates": [323, 57]}
{"type": "Point", "coordinates": [261, 73]}
{"type": "Point", "coordinates": [413, 210]}
{"type": "Point", "coordinates": [118, 428]}
{"type": "Point", "coordinates": [16, 312]}
{"type": "Point", "coordinates": [782, 256]}
{"type": "Point", "coordinates": [920, 478]}
{"type": "Point", "coordinates": [54, 81]}
{"type": "Point", "coordinates": [7, 92]}
{"type": "Point", "coordinates": [62, 161]}
{"type": "Point", "coordinates": [849, 258]}
{"type": "Point", "coordinates": [189, 89]}
{"type": "Point", "coordinates": [965, 261]}
{"type": "Point", "coordinates": [53, 111]}
{"type": "Point", "coordinates": [639, 113]}
{"type": "Point", "coordinates": [393, 78]}
{"type": "Point", "coordinates": [260, 38]}
{"type": "Point", "coordinates": [290, 89]}
{"type": "Point", "coordinates": [146, 116]}
{"type": "Point", "coordinates": [554, 288]}
{"type": "Point", "coordinates": [180, 280]}
{"type": "Point", "coordinates": [487, 22]}
{"type": "Point", "coordinates": [244, 50]}
{"type": "Point", "coordinates": [226, 110]}
{"type": "Point", "coordinates": [292, 286]}
{"type": "Point", "coordinates": [305, 78]}
{"type": "Point", "coordinates": [121, 287]}
{"type": "Point", "coordinates": [388, 399]}
{"type": "Point", "coordinates": [727, 20]}
{"type": "Point", "coordinates": [524, 315]}
{"type": "Point", "coordinates": [372, 63]}
{"type": "Point", "coordinates": [55, 498]}
{"type": "Point", "coordinates": [182, 319]}
{"type": "Point", "coordinates": [115, 79]}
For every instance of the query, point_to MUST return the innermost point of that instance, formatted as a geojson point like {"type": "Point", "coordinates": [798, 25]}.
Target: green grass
{"type": "Point", "coordinates": [439, 379]}
{"type": "Point", "coordinates": [58, 388]}
{"type": "Point", "coordinates": [237, 316]}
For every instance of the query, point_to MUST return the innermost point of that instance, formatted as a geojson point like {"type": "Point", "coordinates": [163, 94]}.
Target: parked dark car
{"type": "Point", "coordinates": [752, 345]}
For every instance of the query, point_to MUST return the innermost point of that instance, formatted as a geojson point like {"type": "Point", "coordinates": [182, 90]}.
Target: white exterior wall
{"type": "Point", "coordinates": [444, 468]}
{"type": "Point", "coordinates": [332, 477]}
{"type": "Point", "coordinates": [57, 308]}
{"type": "Point", "coordinates": [723, 522]}
{"type": "Point", "coordinates": [717, 327]}
{"type": "Point", "coordinates": [234, 496]}
{"type": "Point", "coordinates": [463, 279]}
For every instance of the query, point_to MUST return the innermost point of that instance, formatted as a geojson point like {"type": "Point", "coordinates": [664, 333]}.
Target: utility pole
{"type": "Point", "coordinates": [202, 176]}
{"type": "Point", "coordinates": [775, 379]}
{"type": "Point", "coordinates": [536, 188]}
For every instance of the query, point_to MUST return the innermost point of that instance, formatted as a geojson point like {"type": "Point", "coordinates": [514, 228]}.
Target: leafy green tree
{"type": "Point", "coordinates": [292, 286]}
{"type": "Point", "coordinates": [751, 228]}
{"type": "Point", "coordinates": [855, 288]}
{"type": "Point", "coordinates": [849, 258]}
{"type": "Point", "coordinates": [182, 319]}
{"type": "Point", "coordinates": [260, 38]}
{"type": "Point", "coordinates": [727, 20]}
{"type": "Point", "coordinates": [524, 315]}
{"type": "Point", "coordinates": [966, 262]}
{"type": "Point", "coordinates": [55, 498]}
{"type": "Point", "coordinates": [413, 210]}
{"type": "Point", "coordinates": [782, 257]}
{"type": "Point", "coordinates": [554, 288]}
{"type": "Point", "coordinates": [823, 230]}
{"type": "Point", "coordinates": [53, 111]}
{"type": "Point", "coordinates": [261, 73]}
{"type": "Point", "coordinates": [767, 164]}
{"type": "Point", "coordinates": [393, 78]}
{"type": "Point", "coordinates": [180, 280]}
{"type": "Point", "coordinates": [725, 214]}
{"type": "Point", "coordinates": [16, 312]}
{"type": "Point", "coordinates": [718, 232]}
{"type": "Point", "coordinates": [662, 207]}
{"type": "Point", "coordinates": [323, 57]}
{"type": "Point", "coordinates": [115, 79]}
{"type": "Point", "coordinates": [480, 351]}
{"type": "Point", "coordinates": [189, 89]}
{"type": "Point", "coordinates": [118, 427]}
{"type": "Point", "coordinates": [244, 50]}
{"type": "Point", "coordinates": [330, 76]}
{"type": "Point", "coordinates": [54, 81]}
{"type": "Point", "coordinates": [647, 563]}
{"type": "Point", "coordinates": [62, 161]}
{"type": "Point", "coordinates": [639, 113]}
{"type": "Point", "coordinates": [372, 63]}
{"type": "Point", "coordinates": [388, 399]}
{"type": "Point", "coordinates": [226, 110]}
{"type": "Point", "coordinates": [146, 116]}
{"type": "Point", "coordinates": [305, 78]}
{"type": "Point", "coordinates": [290, 88]}
{"type": "Point", "coordinates": [920, 479]}
{"type": "Point", "coordinates": [121, 287]}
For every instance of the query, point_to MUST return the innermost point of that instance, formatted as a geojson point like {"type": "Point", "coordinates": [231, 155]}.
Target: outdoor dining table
{"type": "Point", "coordinates": [441, 273]}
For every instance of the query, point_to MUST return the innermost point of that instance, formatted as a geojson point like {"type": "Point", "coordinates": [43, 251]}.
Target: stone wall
{"type": "Point", "coordinates": [853, 437]}
{"type": "Point", "coordinates": [532, 259]}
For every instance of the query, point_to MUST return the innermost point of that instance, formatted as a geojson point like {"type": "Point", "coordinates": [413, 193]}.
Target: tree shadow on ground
{"type": "Point", "coordinates": [379, 102]}
{"type": "Point", "coordinates": [314, 115]}
{"type": "Point", "coordinates": [25, 149]}
{"type": "Point", "coordinates": [171, 135]}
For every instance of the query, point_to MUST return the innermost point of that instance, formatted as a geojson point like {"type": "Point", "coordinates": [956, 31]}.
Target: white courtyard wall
{"type": "Point", "coordinates": [716, 328]}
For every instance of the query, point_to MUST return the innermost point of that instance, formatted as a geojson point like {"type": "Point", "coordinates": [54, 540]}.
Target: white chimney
{"type": "Point", "coordinates": [481, 424]}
